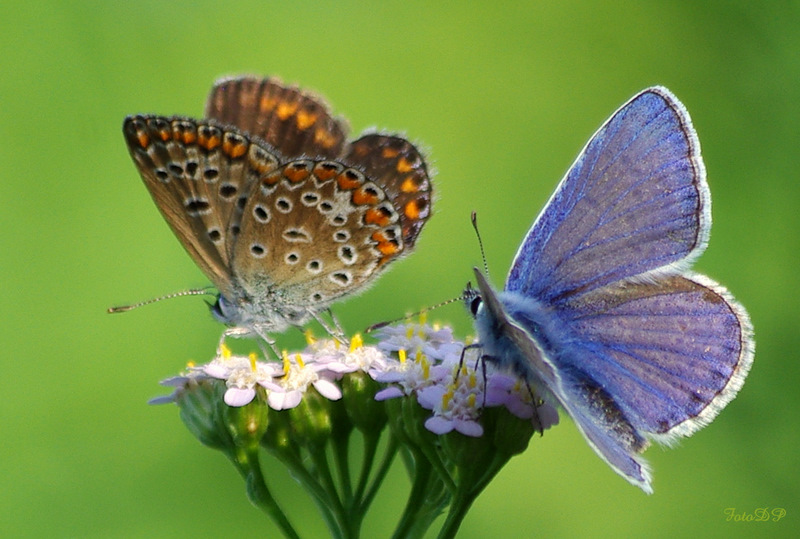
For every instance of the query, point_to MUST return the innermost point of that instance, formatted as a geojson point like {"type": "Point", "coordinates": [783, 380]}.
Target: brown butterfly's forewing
{"type": "Point", "coordinates": [199, 175]}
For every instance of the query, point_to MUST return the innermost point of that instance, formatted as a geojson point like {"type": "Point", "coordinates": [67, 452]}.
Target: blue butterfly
{"type": "Point", "coordinates": [600, 313]}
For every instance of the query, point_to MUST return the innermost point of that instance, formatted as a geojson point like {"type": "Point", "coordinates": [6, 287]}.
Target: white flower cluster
{"type": "Point", "coordinates": [432, 366]}
{"type": "Point", "coordinates": [412, 360]}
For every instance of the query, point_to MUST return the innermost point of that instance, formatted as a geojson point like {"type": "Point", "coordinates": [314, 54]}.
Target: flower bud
{"type": "Point", "coordinates": [246, 424]}
{"type": "Point", "coordinates": [366, 413]}
{"type": "Point", "coordinates": [199, 401]}
{"type": "Point", "coordinates": [311, 420]}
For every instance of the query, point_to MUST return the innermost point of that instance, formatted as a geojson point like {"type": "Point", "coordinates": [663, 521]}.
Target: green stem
{"type": "Point", "coordinates": [408, 459]}
{"type": "Point", "coordinates": [323, 473]}
{"type": "Point", "coordinates": [492, 470]}
{"type": "Point", "coordinates": [458, 510]}
{"type": "Point", "coordinates": [247, 462]}
{"type": "Point", "coordinates": [383, 469]}
{"type": "Point", "coordinates": [340, 454]}
{"type": "Point", "coordinates": [436, 499]}
{"type": "Point", "coordinates": [415, 498]}
{"type": "Point", "coordinates": [434, 458]}
{"type": "Point", "coordinates": [425, 442]}
{"type": "Point", "coordinates": [312, 486]}
{"type": "Point", "coordinates": [370, 448]}
{"type": "Point", "coordinates": [469, 488]}
{"type": "Point", "coordinates": [425, 501]}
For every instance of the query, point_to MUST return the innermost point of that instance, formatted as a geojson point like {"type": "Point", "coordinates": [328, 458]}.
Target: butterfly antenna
{"type": "Point", "coordinates": [462, 297]}
{"type": "Point", "coordinates": [474, 219]}
{"type": "Point", "coordinates": [380, 325]}
{"type": "Point", "coordinates": [126, 308]}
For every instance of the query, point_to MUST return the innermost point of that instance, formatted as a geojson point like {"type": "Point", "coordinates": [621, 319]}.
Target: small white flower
{"type": "Point", "coordinates": [456, 402]}
{"type": "Point", "coordinates": [287, 391]}
{"type": "Point", "coordinates": [437, 344]}
{"type": "Point", "coordinates": [450, 412]}
{"type": "Point", "coordinates": [179, 383]}
{"type": "Point", "coordinates": [342, 360]}
{"type": "Point", "coordinates": [411, 375]}
{"type": "Point", "coordinates": [241, 375]}
{"type": "Point", "coordinates": [503, 390]}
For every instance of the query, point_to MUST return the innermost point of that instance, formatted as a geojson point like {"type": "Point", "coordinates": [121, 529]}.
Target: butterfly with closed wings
{"type": "Point", "coordinates": [280, 211]}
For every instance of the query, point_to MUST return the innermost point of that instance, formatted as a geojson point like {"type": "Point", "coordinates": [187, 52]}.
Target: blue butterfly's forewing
{"type": "Point", "coordinates": [634, 201]}
{"type": "Point", "coordinates": [600, 313]}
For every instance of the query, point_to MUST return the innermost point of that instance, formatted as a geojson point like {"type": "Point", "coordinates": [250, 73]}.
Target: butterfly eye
{"type": "Point", "coordinates": [474, 305]}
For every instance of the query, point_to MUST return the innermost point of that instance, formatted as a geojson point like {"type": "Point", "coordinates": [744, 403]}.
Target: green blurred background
{"type": "Point", "coordinates": [502, 96]}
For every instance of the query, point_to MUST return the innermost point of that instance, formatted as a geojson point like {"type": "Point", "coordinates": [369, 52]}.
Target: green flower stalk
{"type": "Point", "coordinates": [411, 395]}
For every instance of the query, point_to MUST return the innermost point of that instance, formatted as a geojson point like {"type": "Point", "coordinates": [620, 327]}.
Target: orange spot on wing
{"type": "Point", "coordinates": [305, 120]}
{"type": "Point", "coordinates": [388, 248]}
{"type": "Point", "coordinates": [143, 139]}
{"type": "Point", "coordinates": [411, 210]}
{"type": "Point", "coordinates": [234, 149]}
{"type": "Point", "coordinates": [296, 173]}
{"type": "Point", "coordinates": [410, 185]}
{"type": "Point", "coordinates": [379, 236]}
{"type": "Point", "coordinates": [209, 138]}
{"type": "Point", "coordinates": [184, 132]}
{"type": "Point", "coordinates": [374, 216]}
{"type": "Point", "coordinates": [389, 153]}
{"type": "Point", "coordinates": [324, 138]}
{"type": "Point", "coordinates": [186, 136]}
{"type": "Point", "coordinates": [285, 110]}
{"type": "Point", "coordinates": [348, 180]}
{"type": "Point", "coordinates": [363, 196]}
{"type": "Point", "coordinates": [404, 165]}
{"type": "Point", "coordinates": [267, 103]}
{"type": "Point", "coordinates": [325, 171]}
{"type": "Point", "coordinates": [272, 179]}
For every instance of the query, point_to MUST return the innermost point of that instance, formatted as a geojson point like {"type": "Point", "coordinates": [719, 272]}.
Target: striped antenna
{"type": "Point", "coordinates": [126, 308]}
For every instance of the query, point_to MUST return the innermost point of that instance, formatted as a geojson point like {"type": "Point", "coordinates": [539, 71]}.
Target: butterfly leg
{"type": "Point", "coordinates": [268, 341]}
{"type": "Point", "coordinates": [464, 355]}
{"type": "Point", "coordinates": [535, 403]}
{"type": "Point", "coordinates": [334, 329]}
{"type": "Point", "coordinates": [235, 332]}
{"type": "Point", "coordinates": [336, 323]}
{"type": "Point", "coordinates": [272, 348]}
{"type": "Point", "coordinates": [241, 332]}
{"type": "Point", "coordinates": [481, 358]}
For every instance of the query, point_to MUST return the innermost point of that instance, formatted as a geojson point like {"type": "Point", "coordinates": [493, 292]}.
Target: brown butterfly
{"type": "Point", "coordinates": [276, 207]}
